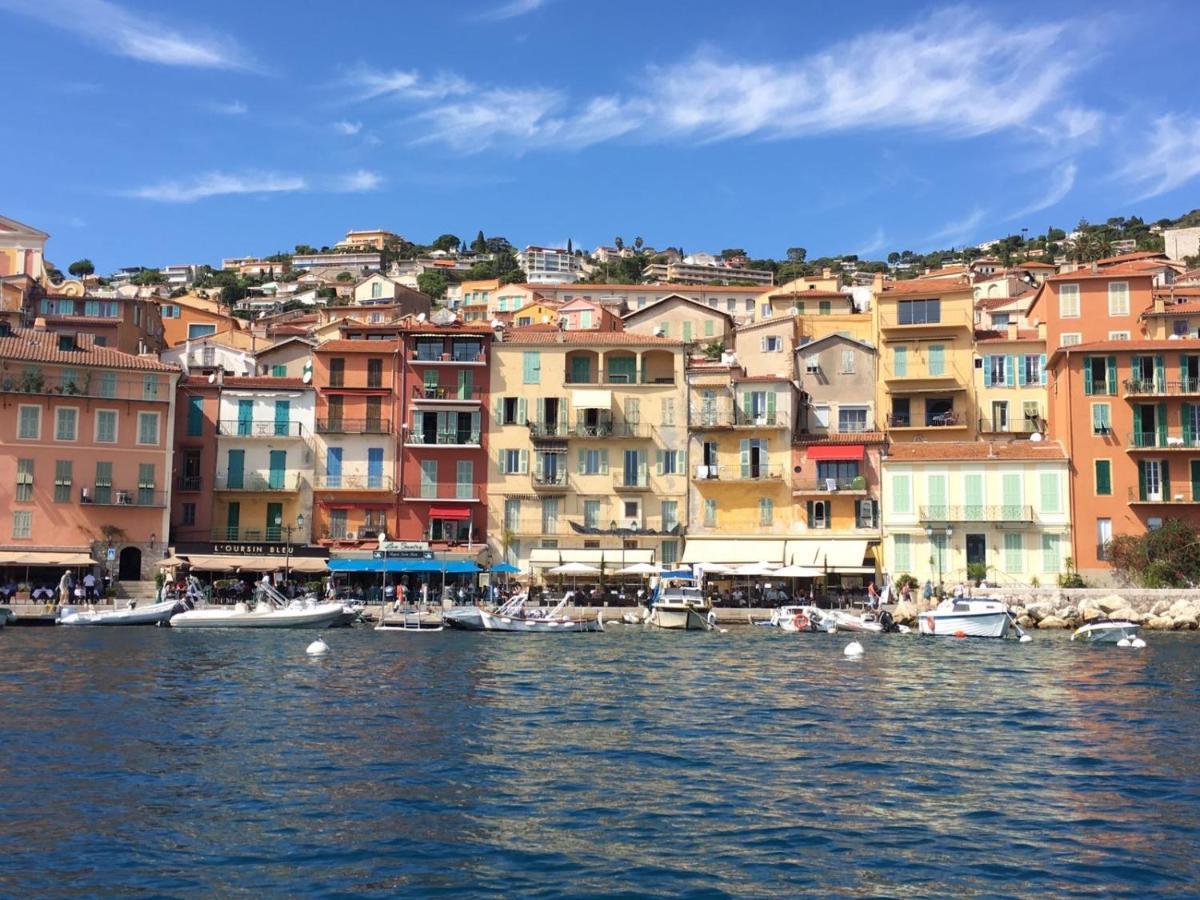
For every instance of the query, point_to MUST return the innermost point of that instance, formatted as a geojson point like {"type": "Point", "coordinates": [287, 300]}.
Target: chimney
{"type": "Point", "coordinates": [1012, 331]}
{"type": "Point", "coordinates": [39, 324]}
{"type": "Point", "coordinates": [826, 272]}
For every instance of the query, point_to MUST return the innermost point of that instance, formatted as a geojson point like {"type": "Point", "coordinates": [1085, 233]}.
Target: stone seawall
{"type": "Point", "coordinates": [1158, 610]}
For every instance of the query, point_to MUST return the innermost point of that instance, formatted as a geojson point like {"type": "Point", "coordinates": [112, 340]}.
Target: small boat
{"type": "Point", "coordinates": [681, 607]}
{"type": "Point", "coordinates": [803, 619]}
{"type": "Point", "coordinates": [265, 614]}
{"type": "Point", "coordinates": [410, 621]}
{"type": "Point", "coordinates": [514, 617]}
{"type": "Point", "coordinates": [154, 614]}
{"type": "Point", "coordinates": [966, 617]}
{"type": "Point", "coordinates": [7, 616]}
{"type": "Point", "coordinates": [1105, 631]}
{"type": "Point", "coordinates": [867, 622]}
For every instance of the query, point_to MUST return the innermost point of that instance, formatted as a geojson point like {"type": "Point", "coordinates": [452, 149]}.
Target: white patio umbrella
{"type": "Point", "coordinates": [641, 569]}
{"type": "Point", "coordinates": [575, 568]}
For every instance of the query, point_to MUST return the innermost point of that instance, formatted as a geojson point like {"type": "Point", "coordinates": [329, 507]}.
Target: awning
{"type": "Point", "coordinates": [449, 512]}
{"type": "Point", "coordinates": [829, 555]}
{"type": "Point", "coordinates": [172, 562]}
{"type": "Point", "coordinates": [227, 562]}
{"type": "Point", "coordinates": [307, 564]}
{"type": "Point", "coordinates": [591, 399]}
{"type": "Point", "coordinates": [836, 451]}
{"type": "Point", "coordinates": [723, 551]}
{"type": "Point", "coordinates": [548, 557]}
{"type": "Point", "coordinates": [46, 558]}
{"type": "Point", "coordinates": [449, 566]}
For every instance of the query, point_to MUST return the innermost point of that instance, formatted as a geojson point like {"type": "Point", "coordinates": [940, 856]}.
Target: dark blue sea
{"type": "Point", "coordinates": [151, 762]}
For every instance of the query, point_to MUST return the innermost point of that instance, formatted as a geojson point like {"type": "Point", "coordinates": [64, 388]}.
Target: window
{"type": "Point", "coordinates": [750, 306]}
{"type": "Point", "coordinates": [766, 511]}
{"type": "Point", "coordinates": [512, 411]}
{"type": "Point", "coordinates": [670, 515]}
{"type": "Point", "coordinates": [1118, 335]}
{"type": "Point", "coordinates": [1101, 419]}
{"type": "Point", "coordinates": [195, 416]}
{"type": "Point", "coordinates": [1049, 498]}
{"type": "Point", "coordinates": [772, 344]}
{"type": "Point", "coordinates": [902, 553]}
{"type": "Point", "coordinates": [936, 360]}
{"type": "Point", "coordinates": [278, 371]}
{"type": "Point", "coordinates": [1051, 558]}
{"type": "Point", "coordinates": [593, 462]}
{"type": "Point", "coordinates": [591, 513]}
{"type": "Point", "coordinates": [818, 514]}
{"type": "Point", "coordinates": [1069, 339]}
{"type": "Point", "coordinates": [1103, 537]}
{"type": "Point", "coordinates": [999, 320]}
{"type": "Point", "coordinates": [66, 420]}
{"type": "Point", "coordinates": [1153, 523]}
{"type": "Point", "coordinates": [1118, 298]}
{"type": "Point", "coordinates": [670, 552]}
{"type": "Point", "coordinates": [512, 515]}
{"type": "Point", "coordinates": [149, 387]}
{"type": "Point", "coordinates": [148, 429]}
{"type": "Point", "coordinates": [920, 312]}
{"type": "Point", "coordinates": [852, 418]}
{"type": "Point", "coordinates": [670, 462]}
{"type": "Point", "coordinates": [1014, 553]}
{"type": "Point", "coordinates": [337, 372]}
{"type": "Point", "coordinates": [106, 426]}
{"type": "Point", "coordinates": [374, 373]}
{"type": "Point", "coordinates": [767, 311]}
{"type": "Point", "coordinates": [812, 364]}
{"type": "Point", "coordinates": [668, 410]}
{"type": "Point", "coordinates": [709, 325]}
{"type": "Point", "coordinates": [900, 361]}
{"type": "Point", "coordinates": [867, 514]}
{"type": "Point", "coordinates": [995, 371]}
{"type": "Point", "coordinates": [189, 514]}
{"type": "Point", "coordinates": [24, 480]}
{"type": "Point", "coordinates": [532, 367]}
{"type": "Point", "coordinates": [29, 427]}
{"type": "Point", "coordinates": [847, 367]}
{"type": "Point", "coordinates": [1179, 327]}
{"type": "Point", "coordinates": [1033, 368]}
{"type": "Point", "coordinates": [842, 471]}
{"type": "Point", "coordinates": [710, 513]}
{"type": "Point", "coordinates": [825, 307]}
{"type": "Point", "coordinates": [902, 494]}
{"type": "Point", "coordinates": [464, 477]}
{"type": "Point", "coordinates": [197, 330]}
{"type": "Point", "coordinates": [514, 462]}
{"type": "Point", "coordinates": [429, 478]}
{"type": "Point", "coordinates": [1068, 301]}
{"type": "Point", "coordinates": [62, 481]}
{"type": "Point", "coordinates": [22, 523]}
{"type": "Point", "coordinates": [103, 482]}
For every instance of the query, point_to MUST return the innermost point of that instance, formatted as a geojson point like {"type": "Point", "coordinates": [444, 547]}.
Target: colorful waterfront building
{"type": "Point", "coordinates": [958, 511]}
{"type": "Point", "coordinates": [682, 318]}
{"type": "Point", "coordinates": [588, 448]}
{"type": "Point", "coordinates": [925, 334]}
{"type": "Point", "coordinates": [87, 433]}
{"type": "Point", "coordinates": [1010, 381]}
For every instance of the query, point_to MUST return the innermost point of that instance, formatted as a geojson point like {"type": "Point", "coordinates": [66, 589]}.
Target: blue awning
{"type": "Point", "coordinates": [449, 566]}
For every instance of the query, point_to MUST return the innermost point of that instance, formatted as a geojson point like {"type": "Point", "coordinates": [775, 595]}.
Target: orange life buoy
{"type": "Point", "coordinates": [800, 620]}
{"type": "Point", "coordinates": [929, 622]}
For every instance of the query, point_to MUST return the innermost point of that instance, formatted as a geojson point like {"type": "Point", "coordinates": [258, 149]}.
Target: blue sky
{"type": "Point", "coordinates": [157, 133]}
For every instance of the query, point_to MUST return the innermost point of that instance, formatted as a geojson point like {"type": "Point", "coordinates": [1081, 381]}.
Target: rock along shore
{"type": "Point", "coordinates": [1155, 610]}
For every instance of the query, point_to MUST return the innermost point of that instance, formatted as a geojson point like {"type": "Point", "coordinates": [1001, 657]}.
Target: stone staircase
{"type": "Point", "coordinates": [143, 592]}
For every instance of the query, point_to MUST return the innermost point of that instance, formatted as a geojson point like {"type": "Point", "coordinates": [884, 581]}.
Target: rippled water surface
{"type": "Point", "coordinates": [159, 762]}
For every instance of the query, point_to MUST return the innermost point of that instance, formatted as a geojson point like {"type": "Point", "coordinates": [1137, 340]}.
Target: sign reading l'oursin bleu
{"type": "Point", "coordinates": [245, 548]}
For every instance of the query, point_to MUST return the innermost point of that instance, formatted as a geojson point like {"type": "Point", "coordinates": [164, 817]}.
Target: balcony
{"type": "Point", "coordinates": [949, 320]}
{"type": "Point", "coordinates": [285, 480]}
{"type": "Point", "coordinates": [943, 421]}
{"type": "Point", "coordinates": [1152, 440]}
{"type": "Point", "coordinates": [103, 495]}
{"type": "Point", "coordinates": [995, 515]}
{"type": "Point", "coordinates": [339, 385]}
{"type": "Point", "coordinates": [738, 473]}
{"type": "Point", "coordinates": [354, 426]}
{"type": "Point", "coordinates": [448, 492]}
{"type": "Point", "coordinates": [811, 487]}
{"type": "Point", "coordinates": [549, 431]}
{"type": "Point", "coordinates": [1012, 425]}
{"type": "Point", "coordinates": [349, 533]}
{"type": "Point", "coordinates": [41, 382]}
{"type": "Point", "coordinates": [454, 438]}
{"type": "Point", "coordinates": [1153, 387]}
{"type": "Point", "coordinates": [189, 483]}
{"type": "Point", "coordinates": [457, 356]}
{"type": "Point", "coordinates": [1179, 495]}
{"type": "Point", "coordinates": [579, 526]}
{"type": "Point", "coordinates": [272, 535]}
{"type": "Point", "coordinates": [917, 377]}
{"type": "Point", "coordinates": [630, 480]}
{"type": "Point", "coordinates": [727, 416]}
{"type": "Point", "coordinates": [425, 393]}
{"type": "Point", "coordinates": [353, 482]}
{"type": "Point", "coordinates": [259, 429]}
{"type": "Point", "coordinates": [555, 481]}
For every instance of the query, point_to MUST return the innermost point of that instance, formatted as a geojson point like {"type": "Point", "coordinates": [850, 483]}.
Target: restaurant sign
{"type": "Point", "coordinates": [249, 548]}
{"type": "Point", "coordinates": [402, 550]}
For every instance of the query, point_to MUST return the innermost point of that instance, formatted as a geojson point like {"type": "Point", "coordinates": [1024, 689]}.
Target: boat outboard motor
{"type": "Point", "coordinates": [888, 623]}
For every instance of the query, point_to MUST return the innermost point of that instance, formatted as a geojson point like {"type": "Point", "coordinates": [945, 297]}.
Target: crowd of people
{"type": "Point", "coordinates": [87, 588]}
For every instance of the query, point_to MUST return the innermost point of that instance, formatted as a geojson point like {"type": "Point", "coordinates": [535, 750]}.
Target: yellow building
{"type": "Point", "coordinates": [925, 334]}
{"type": "Point", "coordinates": [1174, 312]}
{"type": "Point", "coordinates": [587, 449]}
{"type": "Point", "coordinates": [21, 249]}
{"type": "Point", "coordinates": [536, 313]}
{"type": "Point", "coordinates": [477, 299]}
{"type": "Point", "coordinates": [1010, 381]}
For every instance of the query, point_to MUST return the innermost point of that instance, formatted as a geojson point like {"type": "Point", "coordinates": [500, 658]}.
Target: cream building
{"type": "Point", "coordinates": [1010, 381]}
{"type": "Point", "coordinates": [588, 447]}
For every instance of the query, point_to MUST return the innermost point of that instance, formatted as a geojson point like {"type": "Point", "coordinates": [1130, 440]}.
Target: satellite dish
{"type": "Point", "coordinates": [306, 377]}
{"type": "Point", "coordinates": [420, 317]}
{"type": "Point", "coordinates": [212, 377]}
{"type": "Point", "coordinates": [496, 323]}
{"type": "Point", "coordinates": [1035, 437]}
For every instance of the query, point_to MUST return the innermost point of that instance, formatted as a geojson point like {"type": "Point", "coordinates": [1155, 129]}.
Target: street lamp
{"type": "Point", "coordinates": [287, 546]}
{"type": "Point", "coordinates": [940, 550]}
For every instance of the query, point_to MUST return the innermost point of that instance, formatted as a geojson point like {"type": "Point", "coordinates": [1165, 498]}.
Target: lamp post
{"type": "Point", "coordinates": [287, 546]}
{"type": "Point", "coordinates": [940, 550]}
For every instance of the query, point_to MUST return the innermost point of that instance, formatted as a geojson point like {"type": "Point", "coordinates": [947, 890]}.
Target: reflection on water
{"type": "Point", "coordinates": [752, 762]}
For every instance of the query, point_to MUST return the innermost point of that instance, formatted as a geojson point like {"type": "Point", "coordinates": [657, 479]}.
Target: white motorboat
{"type": "Point", "coordinates": [1105, 631]}
{"type": "Point", "coordinates": [264, 614]}
{"type": "Point", "coordinates": [514, 617]}
{"type": "Point", "coordinates": [681, 607]}
{"type": "Point", "coordinates": [153, 614]}
{"type": "Point", "coordinates": [966, 617]}
{"type": "Point", "coordinates": [867, 622]}
{"type": "Point", "coordinates": [410, 620]}
{"type": "Point", "coordinates": [804, 618]}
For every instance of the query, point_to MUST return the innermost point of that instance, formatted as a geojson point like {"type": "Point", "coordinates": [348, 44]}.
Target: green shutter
{"type": "Point", "coordinates": [1103, 477]}
{"type": "Point", "coordinates": [1195, 479]}
{"type": "Point", "coordinates": [937, 359]}
{"type": "Point", "coordinates": [745, 458]}
{"type": "Point", "coordinates": [1165, 470]}
{"type": "Point", "coordinates": [1042, 368]}
{"type": "Point", "coordinates": [900, 361]}
{"type": "Point", "coordinates": [604, 462]}
{"type": "Point", "coordinates": [770, 407]}
{"type": "Point", "coordinates": [1088, 387]}
{"type": "Point", "coordinates": [1011, 365]}
{"type": "Point", "coordinates": [973, 494]}
{"type": "Point", "coordinates": [935, 489]}
{"type": "Point", "coordinates": [1160, 373]}
{"type": "Point", "coordinates": [1111, 366]}
{"type": "Point", "coordinates": [1141, 479]}
{"type": "Point", "coordinates": [811, 520]}
{"type": "Point", "coordinates": [1185, 421]}
{"type": "Point", "coordinates": [1011, 489]}
{"type": "Point", "coordinates": [1162, 424]}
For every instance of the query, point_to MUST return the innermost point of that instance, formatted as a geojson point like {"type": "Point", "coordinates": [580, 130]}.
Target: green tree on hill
{"type": "Point", "coordinates": [81, 268]}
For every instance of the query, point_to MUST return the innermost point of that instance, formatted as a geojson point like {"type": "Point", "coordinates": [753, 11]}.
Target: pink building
{"type": "Point", "coordinates": [87, 436]}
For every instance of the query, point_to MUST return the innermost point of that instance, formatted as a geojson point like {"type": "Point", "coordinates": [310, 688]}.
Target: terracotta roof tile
{"type": "Point", "coordinates": [30, 345]}
{"type": "Point", "coordinates": [856, 437]}
{"type": "Point", "coordinates": [1130, 257]}
{"type": "Point", "coordinates": [813, 294]}
{"type": "Point", "coordinates": [534, 334]}
{"type": "Point", "coordinates": [975, 450]}
{"type": "Point", "coordinates": [930, 287]}
{"type": "Point", "coordinates": [1114, 271]}
{"type": "Point", "coordinates": [1023, 334]}
{"type": "Point", "coordinates": [347, 345]}
{"type": "Point", "coordinates": [264, 381]}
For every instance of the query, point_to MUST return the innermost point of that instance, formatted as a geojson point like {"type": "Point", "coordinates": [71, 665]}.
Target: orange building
{"type": "Point", "coordinates": [192, 318]}
{"type": "Point", "coordinates": [87, 433]}
{"type": "Point", "coordinates": [1093, 304]}
{"type": "Point", "coordinates": [122, 323]}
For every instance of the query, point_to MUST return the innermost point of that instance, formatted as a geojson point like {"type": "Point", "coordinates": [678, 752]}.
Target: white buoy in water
{"type": "Point", "coordinates": [317, 648]}
{"type": "Point", "coordinates": [1025, 639]}
{"type": "Point", "coordinates": [1137, 643]}
{"type": "Point", "coordinates": [853, 649]}
{"type": "Point", "coordinates": [1124, 642]}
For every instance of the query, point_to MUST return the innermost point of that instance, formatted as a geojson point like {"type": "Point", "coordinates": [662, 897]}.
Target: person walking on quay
{"type": "Point", "coordinates": [89, 585]}
{"type": "Point", "coordinates": [65, 585]}
{"type": "Point", "coordinates": [927, 591]}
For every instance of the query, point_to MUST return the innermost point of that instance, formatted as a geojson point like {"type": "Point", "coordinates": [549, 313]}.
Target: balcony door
{"type": "Point", "coordinates": [976, 550]}
{"type": "Point", "coordinates": [274, 521]}
{"type": "Point", "coordinates": [245, 418]}
{"type": "Point", "coordinates": [233, 520]}
{"type": "Point", "coordinates": [333, 467]}
{"type": "Point", "coordinates": [283, 415]}
{"type": "Point", "coordinates": [235, 477]}
{"type": "Point", "coordinates": [278, 463]}
{"type": "Point", "coordinates": [374, 467]}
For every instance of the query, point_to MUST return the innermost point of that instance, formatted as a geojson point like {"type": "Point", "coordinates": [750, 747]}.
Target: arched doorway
{"type": "Point", "coordinates": [129, 567]}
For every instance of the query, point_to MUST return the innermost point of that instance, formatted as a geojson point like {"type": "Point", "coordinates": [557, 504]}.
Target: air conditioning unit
{"type": "Point", "coordinates": [351, 536]}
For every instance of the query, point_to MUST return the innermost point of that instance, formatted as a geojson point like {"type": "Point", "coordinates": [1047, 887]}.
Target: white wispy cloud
{"type": "Point", "coordinates": [217, 184]}
{"type": "Point", "coordinates": [1168, 159]}
{"type": "Point", "coordinates": [877, 242]}
{"type": "Point", "coordinates": [512, 9]}
{"type": "Point", "coordinates": [956, 73]}
{"type": "Point", "coordinates": [232, 108]}
{"type": "Point", "coordinates": [117, 30]}
{"type": "Point", "coordinates": [355, 182]}
{"type": "Point", "coordinates": [1062, 180]}
{"type": "Point", "coordinates": [958, 231]}
{"type": "Point", "coordinates": [347, 128]}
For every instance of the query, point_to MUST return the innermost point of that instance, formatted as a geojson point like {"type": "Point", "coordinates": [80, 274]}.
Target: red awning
{"type": "Point", "coordinates": [837, 451]}
{"type": "Point", "coordinates": [449, 512]}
